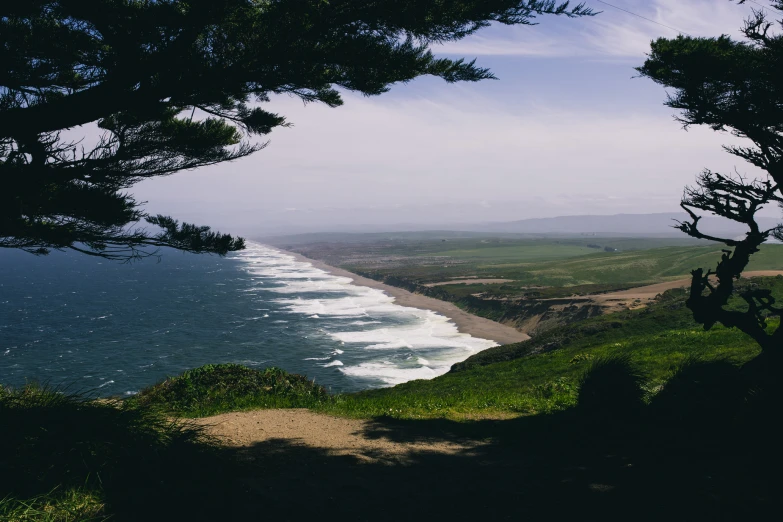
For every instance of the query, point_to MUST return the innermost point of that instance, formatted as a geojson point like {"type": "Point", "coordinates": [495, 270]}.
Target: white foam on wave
{"type": "Point", "coordinates": [435, 335]}
{"type": "Point", "coordinates": [395, 351]}
{"type": "Point", "coordinates": [315, 284]}
{"type": "Point", "coordinates": [389, 373]}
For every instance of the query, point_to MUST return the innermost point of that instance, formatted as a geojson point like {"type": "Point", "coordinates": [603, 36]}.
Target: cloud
{"type": "Point", "coordinates": [611, 34]}
{"type": "Point", "coordinates": [557, 137]}
{"type": "Point", "coordinates": [411, 153]}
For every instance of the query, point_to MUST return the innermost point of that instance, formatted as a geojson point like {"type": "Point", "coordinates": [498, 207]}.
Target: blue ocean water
{"type": "Point", "coordinates": [111, 329]}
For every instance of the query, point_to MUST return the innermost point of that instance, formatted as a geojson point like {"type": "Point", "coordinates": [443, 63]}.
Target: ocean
{"type": "Point", "coordinates": [109, 329]}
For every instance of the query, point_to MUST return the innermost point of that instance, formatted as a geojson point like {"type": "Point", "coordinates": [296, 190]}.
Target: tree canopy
{"type": "Point", "coordinates": [171, 85]}
{"type": "Point", "coordinates": [737, 87]}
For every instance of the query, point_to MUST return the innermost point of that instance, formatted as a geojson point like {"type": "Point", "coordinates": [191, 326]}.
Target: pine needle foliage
{"type": "Point", "coordinates": [173, 85]}
{"type": "Point", "coordinates": [66, 456]}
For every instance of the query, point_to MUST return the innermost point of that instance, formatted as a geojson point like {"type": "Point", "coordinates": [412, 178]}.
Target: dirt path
{"type": "Point", "coordinates": [297, 465]}
{"type": "Point", "coordinates": [333, 435]}
{"type": "Point", "coordinates": [647, 293]}
{"type": "Point", "coordinates": [650, 291]}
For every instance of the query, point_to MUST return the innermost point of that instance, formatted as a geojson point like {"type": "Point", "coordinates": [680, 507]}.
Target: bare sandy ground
{"type": "Point", "coordinates": [470, 282]}
{"type": "Point", "coordinates": [650, 291]}
{"type": "Point", "coordinates": [466, 323]}
{"type": "Point", "coordinates": [333, 435]}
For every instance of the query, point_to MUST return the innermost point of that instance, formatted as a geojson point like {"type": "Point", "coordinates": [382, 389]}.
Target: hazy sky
{"type": "Point", "coordinates": [565, 130]}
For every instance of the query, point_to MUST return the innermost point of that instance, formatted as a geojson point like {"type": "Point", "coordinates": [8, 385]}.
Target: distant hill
{"type": "Point", "coordinates": [620, 224]}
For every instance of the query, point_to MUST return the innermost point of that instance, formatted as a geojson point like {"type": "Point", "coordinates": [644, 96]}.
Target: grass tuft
{"type": "Point", "coordinates": [612, 386]}
{"type": "Point", "coordinates": [73, 505]}
{"type": "Point", "coordinates": [220, 388]}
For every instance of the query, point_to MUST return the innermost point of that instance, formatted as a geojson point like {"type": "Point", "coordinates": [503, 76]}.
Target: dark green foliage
{"type": "Point", "coordinates": [219, 388]}
{"type": "Point", "coordinates": [612, 387]}
{"type": "Point", "coordinates": [702, 394]}
{"type": "Point", "coordinates": [733, 86]}
{"type": "Point", "coordinates": [73, 505]}
{"type": "Point", "coordinates": [68, 450]}
{"type": "Point", "coordinates": [178, 84]}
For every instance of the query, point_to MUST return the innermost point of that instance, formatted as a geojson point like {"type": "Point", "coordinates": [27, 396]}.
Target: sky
{"type": "Point", "coordinates": [567, 129]}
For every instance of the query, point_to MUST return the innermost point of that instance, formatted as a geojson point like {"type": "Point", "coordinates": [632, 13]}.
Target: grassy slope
{"type": "Point", "coordinates": [519, 253]}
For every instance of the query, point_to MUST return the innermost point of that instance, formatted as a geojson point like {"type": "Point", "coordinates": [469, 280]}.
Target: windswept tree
{"type": "Point", "coordinates": [171, 85]}
{"type": "Point", "coordinates": [737, 87]}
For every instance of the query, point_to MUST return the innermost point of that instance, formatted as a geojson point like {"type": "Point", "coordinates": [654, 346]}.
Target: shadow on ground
{"type": "Point", "coordinates": [706, 448]}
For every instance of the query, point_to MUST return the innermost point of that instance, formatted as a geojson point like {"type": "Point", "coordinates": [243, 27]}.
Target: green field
{"type": "Point", "coordinates": [548, 262]}
{"type": "Point", "coordinates": [637, 266]}
{"type": "Point", "coordinates": [569, 265]}
{"type": "Point", "coordinates": [517, 253]}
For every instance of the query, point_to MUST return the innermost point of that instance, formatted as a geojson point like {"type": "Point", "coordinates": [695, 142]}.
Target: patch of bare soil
{"type": "Point", "coordinates": [335, 436]}
{"type": "Point", "coordinates": [639, 297]}
{"type": "Point", "coordinates": [297, 465]}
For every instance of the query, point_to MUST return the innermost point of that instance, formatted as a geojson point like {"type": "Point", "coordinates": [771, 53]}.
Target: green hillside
{"type": "Point", "coordinates": [541, 375]}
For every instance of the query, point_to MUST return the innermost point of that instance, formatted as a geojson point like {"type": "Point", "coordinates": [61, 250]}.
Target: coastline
{"type": "Point", "coordinates": [466, 323]}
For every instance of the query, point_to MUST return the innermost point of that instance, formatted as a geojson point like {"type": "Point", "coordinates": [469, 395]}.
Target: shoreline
{"type": "Point", "coordinates": [470, 324]}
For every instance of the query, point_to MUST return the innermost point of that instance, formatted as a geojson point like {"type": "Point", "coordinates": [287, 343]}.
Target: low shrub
{"type": "Point", "coordinates": [219, 388]}
{"type": "Point", "coordinates": [611, 387]}
{"type": "Point", "coordinates": [702, 393]}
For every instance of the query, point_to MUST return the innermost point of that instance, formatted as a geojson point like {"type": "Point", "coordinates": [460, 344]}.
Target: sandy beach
{"type": "Point", "coordinates": [465, 322]}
